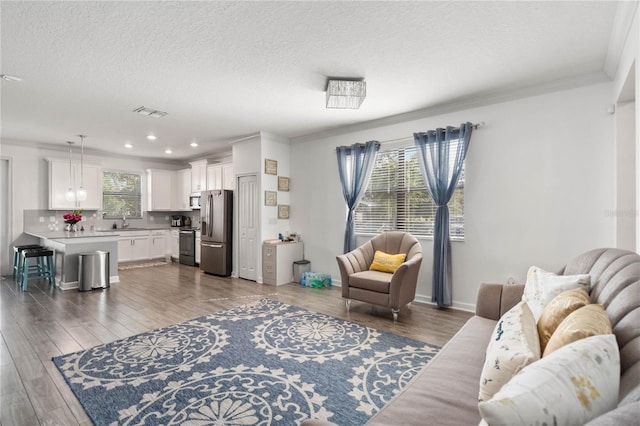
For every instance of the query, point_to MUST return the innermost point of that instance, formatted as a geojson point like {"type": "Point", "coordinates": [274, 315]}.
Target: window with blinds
{"type": "Point", "coordinates": [121, 194]}
{"type": "Point", "coordinates": [397, 198]}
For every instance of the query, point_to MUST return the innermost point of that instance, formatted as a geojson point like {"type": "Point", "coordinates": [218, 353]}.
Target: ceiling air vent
{"type": "Point", "coordinates": [150, 112]}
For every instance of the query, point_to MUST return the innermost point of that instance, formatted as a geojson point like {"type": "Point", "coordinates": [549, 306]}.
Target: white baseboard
{"type": "Point", "coordinates": [468, 307]}
{"type": "Point", "coordinates": [73, 285]}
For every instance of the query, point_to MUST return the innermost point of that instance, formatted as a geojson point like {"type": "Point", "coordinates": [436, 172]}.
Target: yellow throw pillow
{"type": "Point", "coordinates": [385, 262]}
{"type": "Point", "coordinates": [590, 320]}
{"type": "Point", "coordinates": [557, 310]}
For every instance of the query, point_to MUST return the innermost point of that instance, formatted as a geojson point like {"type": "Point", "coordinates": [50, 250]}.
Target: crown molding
{"type": "Point", "coordinates": [622, 23]}
{"type": "Point", "coordinates": [483, 99]}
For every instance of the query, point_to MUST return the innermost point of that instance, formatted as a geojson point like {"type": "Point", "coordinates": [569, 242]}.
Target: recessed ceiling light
{"type": "Point", "coordinates": [194, 144]}
{"type": "Point", "coordinates": [168, 151]}
{"type": "Point", "coordinates": [151, 137]}
{"type": "Point", "coordinates": [128, 145]}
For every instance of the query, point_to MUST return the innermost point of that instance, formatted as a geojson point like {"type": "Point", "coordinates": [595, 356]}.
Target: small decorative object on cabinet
{"type": "Point", "coordinates": [283, 211]}
{"type": "Point", "coordinates": [283, 183]}
{"type": "Point", "coordinates": [270, 198]}
{"type": "Point", "coordinates": [270, 167]}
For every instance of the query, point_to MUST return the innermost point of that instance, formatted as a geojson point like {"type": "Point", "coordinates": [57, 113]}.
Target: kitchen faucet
{"type": "Point", "coordinates": [124, 220]}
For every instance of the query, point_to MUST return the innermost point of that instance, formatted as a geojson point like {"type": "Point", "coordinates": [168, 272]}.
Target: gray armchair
{"type": "Point", "coordinates": [381, 288]}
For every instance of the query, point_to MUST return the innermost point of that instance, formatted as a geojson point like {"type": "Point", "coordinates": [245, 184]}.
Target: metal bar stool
{"type": "Point", "coordinates": [43, 267]}
{"type": "Point", "coordinates": [17, 259]}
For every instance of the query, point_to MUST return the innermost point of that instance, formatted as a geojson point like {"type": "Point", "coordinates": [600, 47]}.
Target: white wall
{"type": "Point", "coordinates": [540, 180]}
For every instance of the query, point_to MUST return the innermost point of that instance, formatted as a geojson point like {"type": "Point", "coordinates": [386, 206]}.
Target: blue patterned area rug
{"type": "Point", "coordinates": [258, 364]}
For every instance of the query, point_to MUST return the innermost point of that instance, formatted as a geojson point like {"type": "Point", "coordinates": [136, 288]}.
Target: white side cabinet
{"type": "Point", "coordinates": [277, 262]}
{"type": "Point", "coordinates": [160, 188]}
{"type": "Point", "coordinates": [133, 245]}
{"type": "Point", "coordinates": [60, 179]}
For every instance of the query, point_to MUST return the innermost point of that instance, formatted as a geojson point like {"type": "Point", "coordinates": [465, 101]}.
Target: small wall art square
{"type": "Point", "coordinates": [270, 167]}
{"type": "Point", "coordinates": [270, 198]}
{"type": "Point", "coordinates": [283, 211]}
{"type": "Point", "coordinates": [283, 183]}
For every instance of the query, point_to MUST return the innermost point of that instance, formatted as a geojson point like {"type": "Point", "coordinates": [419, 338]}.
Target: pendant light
{"type": "Point", "coordinates": [81, 194]}
{"type": "Point", "coordinates": [71, 194]}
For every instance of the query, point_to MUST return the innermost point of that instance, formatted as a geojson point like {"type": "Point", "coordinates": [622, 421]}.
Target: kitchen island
{"type": "Point", "coordinates": [67, 247]}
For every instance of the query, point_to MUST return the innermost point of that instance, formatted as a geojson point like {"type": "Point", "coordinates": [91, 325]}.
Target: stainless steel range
{"type": "Point", "coordinates": [187, 247]}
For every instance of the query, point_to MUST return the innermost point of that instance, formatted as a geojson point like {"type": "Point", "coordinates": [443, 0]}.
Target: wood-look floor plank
{"type": "Point", "coordinates": [44, 322]}
{"type": "Point", "coordinates": [16, 409]}
{"type": "Point", "coordinates": [67, 394]}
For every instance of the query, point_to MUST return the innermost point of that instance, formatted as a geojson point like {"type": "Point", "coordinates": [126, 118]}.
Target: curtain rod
{"type": "Point", "coordinates": [410, 138]}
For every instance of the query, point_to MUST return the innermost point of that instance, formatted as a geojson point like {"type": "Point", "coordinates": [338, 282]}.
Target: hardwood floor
{"type": "Point", "coordinates": [43, 322]}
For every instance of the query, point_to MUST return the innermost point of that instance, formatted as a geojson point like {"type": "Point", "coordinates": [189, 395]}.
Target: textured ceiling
{"type": "Point", "coordinates": [225, 70]}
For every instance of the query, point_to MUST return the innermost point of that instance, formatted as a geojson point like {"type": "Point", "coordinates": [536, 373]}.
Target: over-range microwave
{"type": "Point", "coordinates": [194, 201]}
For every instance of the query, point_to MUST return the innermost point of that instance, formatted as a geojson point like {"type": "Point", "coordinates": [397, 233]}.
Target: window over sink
{"type": "Point", "coordinates": [121, 194]}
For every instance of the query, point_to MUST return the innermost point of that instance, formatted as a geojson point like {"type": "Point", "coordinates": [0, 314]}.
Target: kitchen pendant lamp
{"type": "Point", "coordinates": [70, 194]}
{"type": "Point", "coordinates": [81, 194]}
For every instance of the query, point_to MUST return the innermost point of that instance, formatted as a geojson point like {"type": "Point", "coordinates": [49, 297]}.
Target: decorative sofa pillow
{"type": "Point", "coordinates": [542, 286]}
{"type": "Point", "coordinates": [557, 310]}
{"type": "Point", "coordinates": [514, 344]}
{"type": "Point", "coordinates": [573, 385]}
{"type": "Point", "coordinates": [587, 321]}
{"type": "Point", "coordinates": [385, 262]}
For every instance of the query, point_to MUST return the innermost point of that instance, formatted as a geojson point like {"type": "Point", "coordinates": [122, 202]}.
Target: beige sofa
{"type": "Point", "coordinates": [445, 392]}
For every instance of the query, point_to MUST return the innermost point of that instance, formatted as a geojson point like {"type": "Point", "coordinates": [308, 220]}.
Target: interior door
{"type": "Point", "coordinates": [247, 227]}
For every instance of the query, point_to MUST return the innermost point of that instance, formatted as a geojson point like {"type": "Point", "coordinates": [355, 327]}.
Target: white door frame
{"type": "Point", "coordinates": [6, 229]}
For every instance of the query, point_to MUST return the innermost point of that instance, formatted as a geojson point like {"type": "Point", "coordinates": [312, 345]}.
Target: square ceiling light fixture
{"type": "Point", "coordinates": [346, 93]}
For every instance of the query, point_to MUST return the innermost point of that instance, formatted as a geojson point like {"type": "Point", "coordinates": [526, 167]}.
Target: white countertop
{"type": "Point", "coordinates": [64, 235]}
{"type": "Point", "coordinates": [88, 236]}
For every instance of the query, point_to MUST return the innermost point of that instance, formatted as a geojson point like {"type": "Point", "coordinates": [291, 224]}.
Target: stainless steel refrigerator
{"type": "Point", "coordinates": [216, 226]}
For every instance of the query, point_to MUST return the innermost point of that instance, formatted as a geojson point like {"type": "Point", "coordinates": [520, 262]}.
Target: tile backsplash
{"type": "Point", "coordinates": [51, 220]}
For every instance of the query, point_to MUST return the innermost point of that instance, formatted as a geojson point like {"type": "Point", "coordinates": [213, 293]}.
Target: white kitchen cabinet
{"type": "Point", "coordinates": [198, 176]}
{"type": "Point", "coordinates": [133, 246]}
{"type": "Point", "coordinates": [159, 190]}
{"type": "Point", "coordinates": [228, 178]}
{"type": "Point", "coordinates": [60, 179]}
{"type": "Point", "coordinates": [220, 176]}
{"type": "Point", "coordinates": [182, 191]}
{"type": "Point", "coordinates": [198, 239]}
{"type": "Point", "coordinates": [277, 262]}
{"type": "Point", "coordinates": [175, 244]}
{"type": "Point", "coordinates": [158, 245]}
{"type": "Point", "coordinates": [214, 176]}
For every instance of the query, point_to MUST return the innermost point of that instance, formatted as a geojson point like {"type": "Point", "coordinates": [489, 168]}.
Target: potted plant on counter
{"type": "Point", "coordinates": [71, 219]}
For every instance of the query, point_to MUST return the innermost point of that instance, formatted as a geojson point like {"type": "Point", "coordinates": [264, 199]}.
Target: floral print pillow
{"type": "Point", "coordinates": [514, 344]}
{"type": "Point", "coordinates": [571, 386]}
